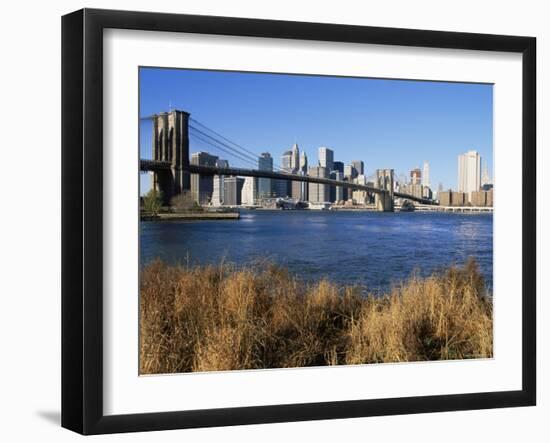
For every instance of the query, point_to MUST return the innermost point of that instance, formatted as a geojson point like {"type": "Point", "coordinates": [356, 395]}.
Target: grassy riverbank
{"type": "Point", "coordinates": [215, 318]}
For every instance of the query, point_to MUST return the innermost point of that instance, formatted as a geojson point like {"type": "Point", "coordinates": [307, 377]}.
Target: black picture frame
{"type": "Point", "coordinates": [82, 218]}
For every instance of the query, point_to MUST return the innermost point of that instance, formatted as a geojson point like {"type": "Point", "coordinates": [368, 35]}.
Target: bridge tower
{"type": "Point", "coordinates": [384, 180]}
{"type": "Point", "coordinates": [171, 144]}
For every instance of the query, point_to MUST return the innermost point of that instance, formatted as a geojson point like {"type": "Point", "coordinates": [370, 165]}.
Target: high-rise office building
{"type": "Point", "coordinates": [202, 186]}
{"type": "Point", "coordinates": [318, 193]}
{"type": "Point", "coordinates": [295, 160]}
{"type": "Point", "coordinates": [286, 161]}
{"type": "Point", "coordinates": [281, 188]}
{"type": "Point", "coordinates": [303, 162]}
{"type": "Point", "coordinates": [232, 190]}
{"type": "Point", "coordinates": [265, 185]}
{"type": "Point", "coordinates": [250, 191]}
{"type": "Point", "coordinates": [338, 166]}
{"type": "Point", "coordinates": [426, 174]}
{"type": "Point", "coordinates": [359, 166]}
{"type": "Point", "coordinates": [350, 171]}
{"type": "Point", "coordinates": [326, 158]}
{"type": "Point", "coordinates": [469, 172]}
{"type": "Point", "coordinates": [416, 176]}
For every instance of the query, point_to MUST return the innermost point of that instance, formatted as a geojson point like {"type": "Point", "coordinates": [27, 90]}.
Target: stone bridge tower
{"type": "Point", "coordinates": [171, 144]}
{"type": "Point", "coordinates": [384, 180]}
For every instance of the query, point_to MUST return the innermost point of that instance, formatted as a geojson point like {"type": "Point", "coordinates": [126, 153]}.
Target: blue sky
{"type": "Point", "coordinates": [386, 123]}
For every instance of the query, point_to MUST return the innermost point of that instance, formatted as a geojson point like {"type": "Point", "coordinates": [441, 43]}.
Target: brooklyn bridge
{"type": "Point", "coordinates": [171, 166]}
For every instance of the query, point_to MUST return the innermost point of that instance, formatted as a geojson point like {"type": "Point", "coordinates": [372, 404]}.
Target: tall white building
{"type": "Point", "coordinates": [326, 158]}
{"type": "Point", "coordinates": [426, 174]}
{"type": "Point", "coordinates": [218, 189]}
{"type": "Point", "coordinates": [469, 172]}
{"type": "Point", "coordinates": [250, 191]}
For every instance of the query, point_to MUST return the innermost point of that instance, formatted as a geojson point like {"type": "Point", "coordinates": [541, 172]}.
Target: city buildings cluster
{"type": "Point", "coordinates": [474, 184]}
{"type": "Point", "coordinates": [475, 187]}
{"type": "Point", "coordinates": [234, 191]}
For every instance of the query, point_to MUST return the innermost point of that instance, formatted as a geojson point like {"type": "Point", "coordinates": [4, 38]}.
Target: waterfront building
{"type": "Point", "coordinates": [318, 193]}
{"type": "Point", "coordinates": [249, 193]}
{"type": "Point", "coordinates": [359, 166]}
{"type": "Point", "coordinates": [459, 199]}
{"type": "Point", "coordinates": [426, 175]}
{"type": "Point", "coordinates": [202, 186]}
{"type": "Point", "coordinates": [265, 185]}
{"type": "Point", "coordinates": [360, 197]}
{"type": "Point", "coordinates": [326, 158]}
{"type": "Point", "coordinates": [416, 176]}
{"type": "Point", "coordinates": [233, 187]}
{"type": "Point", "coordinates": [469, 172]}
{"type": "Point", "coordinates": [338, 166]}
{"type": "Point", "coordinates": [482, 198]}
{"type": "Point", "coordinates": [445, 197]}
{"type": "Point", "coordinates": [478, 198]}
{"type": "Point", "coordinates": [217, 191]}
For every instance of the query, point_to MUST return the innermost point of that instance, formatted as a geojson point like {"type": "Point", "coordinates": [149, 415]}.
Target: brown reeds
{"type": "Point", "coordinates": [214, 318]}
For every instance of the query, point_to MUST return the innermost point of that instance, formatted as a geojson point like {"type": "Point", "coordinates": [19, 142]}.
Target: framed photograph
{"type": "Point", "coordinates": [268, 221]}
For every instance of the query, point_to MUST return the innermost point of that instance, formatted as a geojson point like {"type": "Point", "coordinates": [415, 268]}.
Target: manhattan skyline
{"type": "Point", "coordinates": [386, 123]}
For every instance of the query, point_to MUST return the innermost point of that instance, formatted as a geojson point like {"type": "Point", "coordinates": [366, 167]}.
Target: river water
{"type": "Point", "coordinates": [373, 249]}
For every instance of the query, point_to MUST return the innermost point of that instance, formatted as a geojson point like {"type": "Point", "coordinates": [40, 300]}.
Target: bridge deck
{"type": "Point", "coordinates": [155, 165]}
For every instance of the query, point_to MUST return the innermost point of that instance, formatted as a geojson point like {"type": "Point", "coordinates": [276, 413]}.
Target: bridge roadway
{"type": "Point", "coordinates": [156, 165]}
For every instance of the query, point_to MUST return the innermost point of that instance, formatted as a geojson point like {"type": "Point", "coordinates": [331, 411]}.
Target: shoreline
{"type": "Point", "coordinates": [174, 216]}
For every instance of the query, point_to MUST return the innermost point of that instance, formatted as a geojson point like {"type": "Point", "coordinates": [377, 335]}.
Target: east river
{"type": "Point", "coordinates": [372, 249]}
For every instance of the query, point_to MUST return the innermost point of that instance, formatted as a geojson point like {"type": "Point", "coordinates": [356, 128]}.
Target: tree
{"type": "Point", "coordinates": [152, 202]}
{"type": "Point", "coordinates": [184, 202]}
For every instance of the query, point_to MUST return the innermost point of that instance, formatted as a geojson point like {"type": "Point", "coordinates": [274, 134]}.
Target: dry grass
{"type": "Point", "coordinates": [215, 318]}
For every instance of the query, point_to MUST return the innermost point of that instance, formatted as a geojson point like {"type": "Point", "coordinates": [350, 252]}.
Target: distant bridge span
{"type": "Point", "coordinates": [156, 165]}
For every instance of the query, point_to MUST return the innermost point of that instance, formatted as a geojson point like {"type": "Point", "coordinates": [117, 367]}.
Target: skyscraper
{"type": "Point", "coordinates": [286, 161]}
{"type": "Point", "coordinates": [326, 158]}
{"type": "Point", "coordinates": [202, 185]}
{"type": "Point", "coordinates": [265, 163]}
{"type": "Point", "coordinates": [338, 166]}
{"type": "Point", "coordinates": [250, 191]}
{"type": "Point", "coordinates": [469, 172]}
{"type": "Point", "coordinates": [303, 162]}
{"type": "Point", "coordinates": [318, 193]}
{"type": "Point", "coordinates": [426, 174]}
{"type": "Point", "coordinates": [350, 171]}
{"type": "Point", "coordinates": [232, 190]}
{"type": "Point", "coordinates": [416, 176]}
{"type": "Point", "coordinates": [281, 188]}
{"type": "Point", "coordinates": [295, 161]}
{"type": "Point", "coordinates": [359, 166]}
